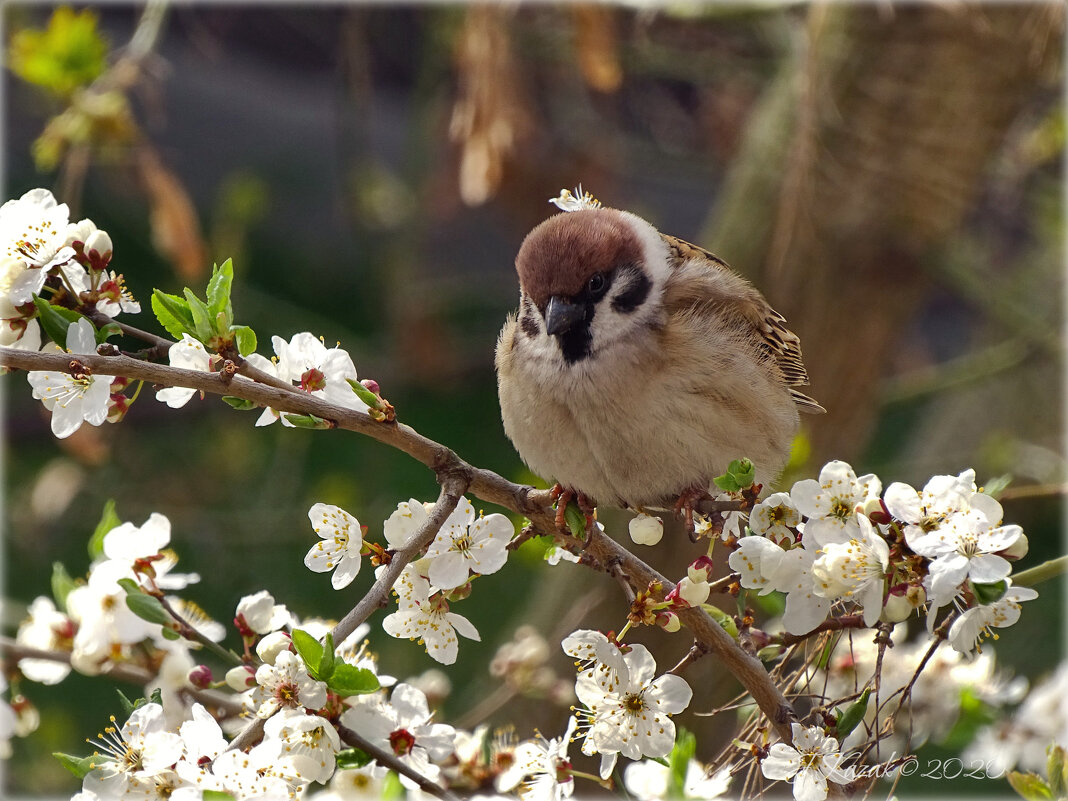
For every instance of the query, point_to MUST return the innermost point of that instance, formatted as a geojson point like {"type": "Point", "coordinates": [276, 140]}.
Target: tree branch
{"type": "Point", "coordinates": [386, 759]}
{"type": "Point", "coordinates": [484, 484]}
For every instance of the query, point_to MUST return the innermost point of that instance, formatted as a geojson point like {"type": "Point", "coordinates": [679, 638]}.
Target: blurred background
{"type": "Point", "coordinates": [890, 176]}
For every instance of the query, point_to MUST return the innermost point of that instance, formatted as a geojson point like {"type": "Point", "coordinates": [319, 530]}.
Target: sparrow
{"type": "Point", "coordinates": [638, 365]}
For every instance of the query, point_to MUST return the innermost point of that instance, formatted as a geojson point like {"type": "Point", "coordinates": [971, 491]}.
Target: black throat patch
{"type": "Point", "coordinates": [575, 342]}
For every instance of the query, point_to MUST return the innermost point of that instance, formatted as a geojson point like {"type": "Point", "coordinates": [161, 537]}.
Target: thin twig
{"type": "Point", "coordinates": [386, 759]}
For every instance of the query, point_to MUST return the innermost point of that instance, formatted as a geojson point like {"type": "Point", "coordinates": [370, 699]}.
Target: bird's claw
{"type": "Point", "coordinates": [688, 500]}
{"type": "Point", "coordinates": [563, 497]}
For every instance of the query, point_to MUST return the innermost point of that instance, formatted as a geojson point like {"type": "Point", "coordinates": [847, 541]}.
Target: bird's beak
{"type": "Point", "coordinates": [561, 315]}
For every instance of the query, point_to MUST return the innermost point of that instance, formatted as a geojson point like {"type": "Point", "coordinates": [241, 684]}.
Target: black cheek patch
{"type": "Point", "coordinates": [528, 325]}
{"type": "Point", "coordinates": [634, 295]}
{"type": "Point", "coordinates": [575, 342]}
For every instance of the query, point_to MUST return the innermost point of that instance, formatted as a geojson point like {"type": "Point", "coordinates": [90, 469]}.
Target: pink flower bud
{"type": "Point", "coordinates": [700, 569]}
{"type": "Point", "coordinates": [200, 677]}
{"type": "Point", "coordinates": [668, 621]}
{"type": "Point", "coordinates": [372, 386]}
{"type": "Point", "coordinates": [875, 510]}
{"type": "Point", "coordinates": [240, 678]}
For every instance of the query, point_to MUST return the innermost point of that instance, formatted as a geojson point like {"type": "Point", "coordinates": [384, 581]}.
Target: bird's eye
{"type": "Point", "coordinates": [597, 285]}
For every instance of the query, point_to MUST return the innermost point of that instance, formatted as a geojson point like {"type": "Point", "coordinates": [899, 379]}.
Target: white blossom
{"type": "Point", "coordinates": [135, 755]}
{"type": "Point", "coordinates": [261, 614]}
{"type": "Point", "coordinates": [855, 570]}
{"type": "Point", "coordinates": [649, 781]}
{"type": "Point", "coordinates": [46, 629]}
{"type": "Point", "coordinates": [632, 718]}
{"type": "Point", "coordinates": [544, 768]}
{"type": "Point", "coordinates": [188, 354]}
{"type": "Point", "coordinates": [967, 631]}
{"type": "Point", "coordinates": [812, 761]}
{"type": "Point", "coordinates": [339, 547]}
{"type": "Point", "coordinates": [830, 503]}
{"type": "Point", "coordinates": [774, 516]}
{"type": "Point", "coordinates": [425, 617]}
{"type": "Point", "coordinates": [467, 545]}
{"type": "Point", "coordinates": [33, 232]}
{"type": "Point", "coordinates": [286, 684]}
{"type": "Point", "coordinates": [575, 201]}
{"type": "Point", "coordinates": [403, 727]}
{"type": "Point", "coordinates": [73, 399]}
{"type": "Point", "coordinates": [303, 747]}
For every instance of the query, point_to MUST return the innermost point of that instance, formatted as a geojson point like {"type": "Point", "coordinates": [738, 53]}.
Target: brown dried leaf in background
{"type": "Point", "coordinates": [489, 119]}
{"type": "Point", "coordinates": [176, 230]}
{"type": "Point", "coordinates": [597, 46]}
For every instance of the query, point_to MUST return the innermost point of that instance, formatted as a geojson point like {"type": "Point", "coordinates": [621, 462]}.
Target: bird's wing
{"type": "Point", "coordinates": [710, 281]}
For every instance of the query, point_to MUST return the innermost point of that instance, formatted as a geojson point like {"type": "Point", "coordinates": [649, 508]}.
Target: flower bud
{"type": "Point", "coordinates": [694, 593]}
{"type": "Point", "coordinates": [700, 569]}
{"type": "Point", "coordinates": [646, 529]}
{"type": "Point", "coordinates": [272, 645]}
{"type": "Point", "coordinates": [875, 510]}
{"type": "Point", "coordinates": [100, 242]}
{"type": "Point", "coordinates": [459, 593]}
{"type": "Point", "coordinates": [240, 678]}
{"type": "Point", "coordinates": [901, 604]}
{"type": "Point", "coordinates": [371, 386]}
{"type": "Point", "coordinates": [200, 677]}
{"type": "Point", "coordinates": [668, 621]}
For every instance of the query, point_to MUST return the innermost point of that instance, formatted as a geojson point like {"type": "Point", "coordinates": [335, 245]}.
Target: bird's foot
{"type": "Point", "coordinates": [564, 496]}
{"type": "Point", "coordinates": [688, 500]}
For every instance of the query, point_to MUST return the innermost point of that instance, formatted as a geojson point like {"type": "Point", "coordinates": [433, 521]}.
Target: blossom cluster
{"type": "Point", "coordinates": [840, 543]}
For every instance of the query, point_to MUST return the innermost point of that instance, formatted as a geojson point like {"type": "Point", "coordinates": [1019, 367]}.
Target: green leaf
{"type": "Point", "coordinates": [109, 330]}
{"type": "Point", "coordinates": [350, 680]}
{"type": "Point", "coordinates": [245, 338]}
{"type": "Point", "coordinates": [62, 584]}
{"type": "Point", "coordinates": [364, 394]}
{"type": "Point", "coordinates": [79, 766]}
{"type": "Point", "coordinates": [145, 606]}
{"type": "Point", "coordinates": [55, 320]}
{"type": "Point", "coordinates": [1029, 786]}
{"type": "Point", "coordinates": [155, 698]}
{"type": "Point", "coordinates": [66, 55]}
{"type": "Point", "coordinates": [327, 662]}
{"type": "Point", "coordinates": [222, 278]}
{"type": "Point", "coordinates": [215, 795]}
{"type": "Point", "coordinates": [392, 789]}
{"type": "Point", "coordinates": [241, 404]}
{"type": "Point", "coordinates": [203, 322]}
{"type": "Point", "coordinates": [1055, 769]}
{"type": "Point", "coordinates": [724, 620]}
{"type": "Point", "coordinates": [173, 314]}
{"type": "Point", "coordinates": [679, 762]}
{"type": "Point", "coordinates": [576, 520]}
{"type": "Point", "coordinates": [854, 714]}
{"type": "Point", "coordinates": [170, 634]}
{"type": "Point", "coordinates": [307, 421]}
{"type": "Point", "coordinates": [352, 758]}
{"type": "Point", "coordinates": [127, 705]}
{"type": "Point", "coordinates": [989, 593]}
{"type": "Point", "coordinates": [108, 520]}
{"type": "Point", "coordinates": [740, 474]}
{"type": "Point", "coordinates": [309, 649]}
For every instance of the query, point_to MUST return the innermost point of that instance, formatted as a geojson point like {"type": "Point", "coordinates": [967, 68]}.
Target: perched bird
{"type": "Point", "coordinates": [638, 365]}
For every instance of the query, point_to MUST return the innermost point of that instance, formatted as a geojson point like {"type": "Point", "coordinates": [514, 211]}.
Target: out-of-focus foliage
{"type": "Point", "coordinates": [64, 56]}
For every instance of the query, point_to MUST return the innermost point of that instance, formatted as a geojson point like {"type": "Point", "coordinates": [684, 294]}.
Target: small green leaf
{"type": "Point", "coordinates": [679, 762]}
{"type": "Point", "coordinates": [108, 520]}
{"type": "Point", "coordinates": [392, 789]}
{"type": "Point", "coordinates": [350, 680]}
{"type": "Point", "coordinates": [127, 705]}
{"type": "Point", "coordinates": [364, 394]}
{"type": "Point", "coordinates": [170, 634]}
{"type": "Point", "coordinates": [155, 698]}
{"type": "Point", "coordinates": [109, 330]}
{"type": "Point", "coordinates": [215, 795]}
{"type": "Point", "coordinates": [307, 421]}
{"type": "Point", "coordinates": [222, 278]}
{"type": "Point", "coordinates": [203, 324]}
{"type": "Point", "coordinates": [724, 620]}
{"type": "Point", "coordinates": [1055, 768]}
{"type": "Point", "coordinates": [79, 766]}
{"type": "Point", "coordinates": [55, 320]}
{"type": "Point", "coordinates": [854, 714]}
{"type": "Point", "coordinates": [989, 593]}
{"type": "Point", "coordinates": [309, 649]}
{"type": "Point", "coordinates": [576, 520]}
{"type": "Point", "coordinates": [327, 662]}
{"type": "Point", "coordinates": [145, 606]}
{"type": "Point", "coordinates": [62, 584]}
{"type": "Point", "coordinates": [1030, 786]}
{"type": "Point", "coordinates": [173, 314]}
{"type": "Point", "coordinates": [352, 758]}
{"type": "Point", "coordinates": [740, 474]}
{"type": "Point", "coordinates": [245, 338]}
{"type": "Point", "coordinates": [241, 404]}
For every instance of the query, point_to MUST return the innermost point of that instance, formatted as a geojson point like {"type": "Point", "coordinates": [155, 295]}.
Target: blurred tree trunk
{"type": "Point", "coordinates": [868, 150]}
